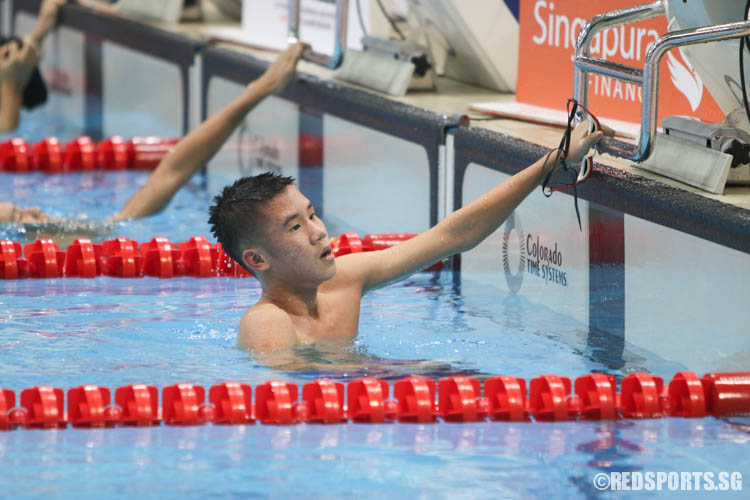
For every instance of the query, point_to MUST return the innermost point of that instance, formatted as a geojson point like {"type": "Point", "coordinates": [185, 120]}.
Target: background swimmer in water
{"type": "Point", "coordinates": [175, 169]}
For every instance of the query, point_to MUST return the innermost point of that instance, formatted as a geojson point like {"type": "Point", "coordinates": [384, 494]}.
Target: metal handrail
{"type": "Point", "coordinates": [650, 78]}
{"type": "Point", "coordinates": [616, 18]}
{"type": "Point", "coordinates": [622, 72]}
{"type": "Point", "coordinates": [342, 14]}
{"type": "Point", "coordinates": [651, 71]}
{"type": "Point", "coordinates": [599, 23]}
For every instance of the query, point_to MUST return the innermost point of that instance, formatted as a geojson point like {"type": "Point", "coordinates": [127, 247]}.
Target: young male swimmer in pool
{"type": "Point", "coordinates": [187, 157]}
{"type": "Point", "coordinates": [268, 226]}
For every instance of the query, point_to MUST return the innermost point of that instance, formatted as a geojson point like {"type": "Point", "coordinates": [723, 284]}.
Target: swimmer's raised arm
{"type": "Point", "coordinates": [197, 148]}
{"type": "Point", "coordinates": [101, 6]}
{"type": "Point", "coordinates": [46, 19]}
{"type": "Point", "coordinates": [17, 63]}
{"type": "Point", "coordinates": [18, 60]}
{"type": "Point", "coordinates": [463, 229]}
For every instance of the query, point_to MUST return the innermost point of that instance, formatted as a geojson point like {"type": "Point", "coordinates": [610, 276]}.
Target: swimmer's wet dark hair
{"type": "Point", "coordinates": [235, 213]}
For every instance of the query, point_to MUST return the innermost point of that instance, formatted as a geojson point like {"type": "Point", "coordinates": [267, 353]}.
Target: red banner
{"type": "Point", "coordinates": [548, 33]}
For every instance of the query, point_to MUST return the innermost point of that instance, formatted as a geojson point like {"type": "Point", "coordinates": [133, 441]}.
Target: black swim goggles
{"type": "Point", "coordinates": [582, 171]}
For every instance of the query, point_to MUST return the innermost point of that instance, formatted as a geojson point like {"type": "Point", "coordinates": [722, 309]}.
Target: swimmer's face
{"type": "Point", "coordinates": [295, 242]}
{"type": "Point", "coordinates": [10, 212]}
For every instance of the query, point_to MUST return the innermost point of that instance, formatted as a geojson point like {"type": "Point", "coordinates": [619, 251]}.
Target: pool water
{"type": "Point", "coordinates": [480, 460]}
{"type": "Point", "coordinates": [113, 332]}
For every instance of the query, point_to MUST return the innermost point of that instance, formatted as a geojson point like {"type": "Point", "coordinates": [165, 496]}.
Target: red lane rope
{"type": "Point", "coordinates": [82, 154]}
{"type": "Point", "coordinates": [366, 400]}
{"type": "Point", "coordinates": [126, 258]}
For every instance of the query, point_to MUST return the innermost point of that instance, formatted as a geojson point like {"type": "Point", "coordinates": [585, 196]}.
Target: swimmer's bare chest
{"type": "Point", "coordinates": [337, 317]}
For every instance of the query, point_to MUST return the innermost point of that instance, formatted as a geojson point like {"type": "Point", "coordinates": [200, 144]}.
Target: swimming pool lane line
{"type": "Point", "coordinates": [126, 258]}
{"type": "Point", "coordinates": [459, 399]}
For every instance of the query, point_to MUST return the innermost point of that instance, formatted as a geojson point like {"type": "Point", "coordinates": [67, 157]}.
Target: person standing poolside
{"type": "Point", "coordinates": [270, 228]}
{"type": "Point", "coordinates": [187, 157]}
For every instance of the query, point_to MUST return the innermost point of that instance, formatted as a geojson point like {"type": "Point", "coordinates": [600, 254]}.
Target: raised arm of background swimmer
{"type": "Point", "coordinates": [195, 149]}
{"type": "Point", "coordinates": [463, 229]}
{"type": "Point", "coordinates": [17, 64]}
{"type": "Point", "coordinates": [46, 19]}
{"type": "Point", "coordinates": [100, 6]}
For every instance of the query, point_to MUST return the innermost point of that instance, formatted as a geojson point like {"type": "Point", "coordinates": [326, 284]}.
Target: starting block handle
{"type": "Point", "coordinates": [649, 77]}
{"type": "Point", "coordinates": [342, 14]}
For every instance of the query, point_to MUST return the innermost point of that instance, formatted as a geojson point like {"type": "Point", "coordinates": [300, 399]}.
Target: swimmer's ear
{"type": "Point", "coordinates": [253, 259]}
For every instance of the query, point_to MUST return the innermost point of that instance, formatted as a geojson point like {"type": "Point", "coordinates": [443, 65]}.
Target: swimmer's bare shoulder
{"type": "Point", "coordinates": [266, 327]}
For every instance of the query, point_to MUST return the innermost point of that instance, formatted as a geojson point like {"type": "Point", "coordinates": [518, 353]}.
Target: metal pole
{"type": "Point", "coordinates": [614, 70]}
{"type": "Point", "coordinates": [599, 23]}
{"type": "Point", "coordinates": [650, 106]}
{"type": "Point", "coordinates": [649, 109]}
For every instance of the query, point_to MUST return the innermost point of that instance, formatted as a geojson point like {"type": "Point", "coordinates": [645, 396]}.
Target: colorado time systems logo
{"type": "Point", "coordinates": [514, 278]}
{"type": "Point", "coordinates": [529, 254]}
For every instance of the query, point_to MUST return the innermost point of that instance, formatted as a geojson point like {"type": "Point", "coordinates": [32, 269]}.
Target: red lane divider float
{"type": "Point", "coordinates": [160, 258]}
{"type": "Point", "coordinates": [459, 399]}
{"type": "Point", "coordinates": [138, 404]}
{"type": "Point", "coordinates": [506, 398]}
{"type": "Point", "coordinates": [416, 400]}
{"type": "Point", "coordinates": [199, 257]}
{"type": "Point", "coordinates": [147, 152]}
{"type": "Point", "coordinates": [15, 156]}
{"type": "Point", "coordinates": [7, 402]}
{"type": "Point", "coordinates": [122, 258]}
{"type": "Point", "coordinates": [227, 266]}
{"type": "Point", "coordinates": [182, 405]}
{"type": "Point", "coordinates": [325, 402]}
{"type": "Point", "coordinates": [45, 260]}
{"type": "Point", "coordinates": [47, 155]}
{"type": "Point", "coordinates": [126, 258]}
{"type": "Point", "coordinates": [113, 154]}
{"type": "Point", "coordinates": [351, 243]}
{"type": "Point", "coordinates": [368, 402]}
{"type": "Point", "coordinates": [233, 403]}
{"type": "Point", "coordinates": [44, 407]}
{"type": "Point", "coordinates": [82, 154]}
{"type": "Point", "coordinates": [83, 259]}
{"type": "Point", "coordinates": [275, 403]}
{"type": "Point", "coordinates": [87, 407]}
{"type": "Point", "coordinates": [12, 263]}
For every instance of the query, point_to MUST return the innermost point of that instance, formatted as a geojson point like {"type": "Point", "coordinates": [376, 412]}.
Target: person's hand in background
{"type": "Point", "coordinates": [47, 19]}
{"type": "Point", "coordinates": [18, 61]}
{"type": "Point", "coordinates": [281, 71]}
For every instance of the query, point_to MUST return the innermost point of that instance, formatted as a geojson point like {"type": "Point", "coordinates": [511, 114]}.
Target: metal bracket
{"type": "Point", "coordinates": [648, 77]}
{"type": "Point", "coordinates": [342, 14]}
